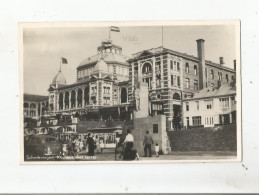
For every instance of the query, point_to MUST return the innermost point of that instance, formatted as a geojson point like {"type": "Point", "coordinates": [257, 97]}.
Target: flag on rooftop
{"type": "Point", "coordinates": [115, 29]}
{"type": "Point", "coordinates": [64, 60]}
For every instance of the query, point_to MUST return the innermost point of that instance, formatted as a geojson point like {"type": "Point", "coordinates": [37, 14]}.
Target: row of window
{"type": "Point", "coordinates": [106, 101]}
{"type": "Point", "coordinates": [26, 105]}
{"type": "Point", "coordinates": [196, 120]}
{"type": "Point", "coordinates": [29, 113]}
{"type": "Point", "coordinates": [212, 76]}
{"type": "Point", "coordinates": [208, 105]}
{"type": "Point", "coordinates": [106, 90]}
{"type": "Point", "coordinates": [89, 71]}
{"type": "Point", "coordinates": [224, 103]}
{"type": "Point", "coordinates": [174, 65]}
{"type": "Point", "coordinates": [195, 84]}
{"type": "Point", "coordinates": [187, 69]}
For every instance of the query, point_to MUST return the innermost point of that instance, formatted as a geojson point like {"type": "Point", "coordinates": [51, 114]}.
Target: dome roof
{"type": "Point", "coordinates": [59, 79]}
{"type": "Point", "coordinates": [101, 66]}
{"type": "Point", "coordinates": [109, 53]}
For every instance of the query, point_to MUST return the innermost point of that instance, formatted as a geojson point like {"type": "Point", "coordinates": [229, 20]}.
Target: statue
{"type": "Point", "coordinates": [136, 99]}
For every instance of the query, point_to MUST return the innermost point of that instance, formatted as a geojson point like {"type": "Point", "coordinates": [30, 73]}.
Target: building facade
{"type": "Point", "coordinates": [173, 76]}
{"type": "Point", "coordinates": [106, 83]}
{"type": "Point", "coordinates": [102, 82]}
{"type": "Point", "coordinates": [34, 106]}
{"type": "Point", "coordinates": [210, 106]}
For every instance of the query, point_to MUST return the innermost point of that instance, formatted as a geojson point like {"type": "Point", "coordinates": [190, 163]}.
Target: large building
{"type": "Point", "coordinates": [172, 76]}
{"type": "Point", "coordinates": [102, 82]}
{"type": "Point", "coordinates": [210, 106]}
{"type": "Point", "coordinates": [105, 83]}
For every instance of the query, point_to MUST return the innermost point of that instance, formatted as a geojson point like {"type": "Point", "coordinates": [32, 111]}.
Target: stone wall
{"type": "Point", "coordinates": [141, 125]}
{"type": "Point", "coordinates": [221, 138]}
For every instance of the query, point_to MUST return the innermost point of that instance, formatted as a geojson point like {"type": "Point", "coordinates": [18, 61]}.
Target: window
{"type": "Point", "coordinates": [209, 120]}
{"type": "Point", "coordinates": [211, 74]}
{"type": "Point", "coordinates": [158, 65]}
{"type": "Point", "coordinates": [227, 78]}
{"type": "Point", "coordinates": [208, 104]}
{"type": "Point", "coordinates": [196, 120]}
{"type": "Point", "coordinates": [195, 85]}
{"type": "Point", "coordinates": [195, 70]}
{"type": "Point", "coordinates": [187, 68]}
{"type": "Point", "coordinates": [224, 102]}
{"type": "Point", "coordinates": [155, 128]}
{"type": "Point", "coordinates": [178, 81]}
{"type": "Point", "coordinates": [32, 113]}
{"type": "Point", "coordinates": [197, 105]}
{"type": "Point", "coordinates": [187, 83]}
{"type": "Point", "coordinates": [178, 66]}
{"type": "Point", "coordinates": [106, 101]}
{"type": "Point", "coordinates": [172, 80]}
{"type": "Point", "coordinates": [187, 106]}
{"type": "Point", "coordinates": [171, 64]}
{"type": "Point", "coordinates": [220, 76]}
{"type": "Point", "coordinates": [174, 65]}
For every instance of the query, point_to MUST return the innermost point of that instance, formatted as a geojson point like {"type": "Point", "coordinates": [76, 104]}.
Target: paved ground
{"type": "Point", "coordinates": [109, 155]}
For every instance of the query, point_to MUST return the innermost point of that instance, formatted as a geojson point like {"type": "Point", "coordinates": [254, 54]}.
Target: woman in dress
{"type": "Point", "coordinates": [91, 145]}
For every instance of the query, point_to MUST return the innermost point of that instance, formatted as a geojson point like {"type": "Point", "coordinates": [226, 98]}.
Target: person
{"type": "Point", "coordinates": [91, 145]}
{"type": "Point", "coordinates": [128, 144]}
{"type": "Point", "coordinates": [157, 150]}
{"type": "Point", "coordinates": [101, 145]}
{"type": "Point", "coordinates": [97, 141]}
{"type": "Point", "coordinates": [148, 141]}
{"type": "Point", "coordinates": [81, 145]}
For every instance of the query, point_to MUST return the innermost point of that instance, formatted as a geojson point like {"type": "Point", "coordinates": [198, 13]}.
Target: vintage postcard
{"type": "Point", "coordinates": [130, 92]}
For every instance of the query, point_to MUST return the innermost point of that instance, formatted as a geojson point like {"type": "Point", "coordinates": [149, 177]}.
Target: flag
{"type": "Point", "coordinates": [64, 60]}
{"type": "Point", "coordinates": [115, 29]}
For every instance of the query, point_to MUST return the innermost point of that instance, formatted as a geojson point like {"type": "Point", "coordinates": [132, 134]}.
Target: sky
{"type": "Point", "coordinates": [44, 47]}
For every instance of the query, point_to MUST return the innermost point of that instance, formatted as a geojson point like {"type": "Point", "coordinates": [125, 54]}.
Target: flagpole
{"type": "Point", "coordinates": [60, 65]}
{"type": "Point", "coordinates": [162, 36]}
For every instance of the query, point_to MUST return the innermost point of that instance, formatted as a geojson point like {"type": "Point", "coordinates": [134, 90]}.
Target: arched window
{"type": "Point", "coordinates": [39, 108]}
{"type": "Point", "coordinates": [195, 70]}
{"type": "Point", "coordinates": [79, 98]}
{"type": "Point", "coordinates": [146, 68]}
{"type": "Point", "coordinates": [124, 95]}
{"type": "Point", "coordinates": [86, 95]}
{"type": "Point", "coordinates": [187, 68]}
{"type": "Point", "coordinates": [220, 76]}
{"type": "Point", "coordinates": [60, 101]}
{"type": "Point", "coordinates": [33, 106]}
{"type": "Point", "coordinates": [176, 96]}
{"type": "Point", "coordinates": [227, 78]}
{"type": "Point", "coordinates": [67, 100]}
{"type": "Point", "coordinates": [26, 105]}
{"type": "Point", "coordinates": [211, 74]}
{"type": "Point", "coordinates": [73, 99]}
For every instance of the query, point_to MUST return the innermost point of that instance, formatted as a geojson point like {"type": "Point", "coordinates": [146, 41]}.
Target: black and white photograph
{"type": "Point", "coordinates": [130, 92]}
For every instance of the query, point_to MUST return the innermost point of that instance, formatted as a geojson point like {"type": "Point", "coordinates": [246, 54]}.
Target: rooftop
{"type": "Point", "coordinates": [210, 92]}
{"type": "Point", "coordinates": [35, 98]}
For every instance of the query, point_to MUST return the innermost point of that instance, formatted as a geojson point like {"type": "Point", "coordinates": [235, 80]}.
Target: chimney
{"type": "Point", "coordinates": [235, 66]}
{"type": "Point", "coordinates": [201, 57]}
{"type": "Point", "coordinates": [221, 61]}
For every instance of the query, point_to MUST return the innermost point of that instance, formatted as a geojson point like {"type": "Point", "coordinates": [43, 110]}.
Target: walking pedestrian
{"type": "Point", "coordinates": [148, 141]}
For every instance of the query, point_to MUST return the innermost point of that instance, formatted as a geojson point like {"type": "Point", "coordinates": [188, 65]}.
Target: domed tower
{"type": "Point", "coordinates": [109, 61]}
{"type": "Point", "coordinates": [58, 81]}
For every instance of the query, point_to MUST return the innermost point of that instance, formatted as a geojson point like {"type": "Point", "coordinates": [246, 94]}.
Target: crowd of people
{"type": "Point", "coordinates": [75, 145]}
{"type": "Point", "coordinates": [89, 144]}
